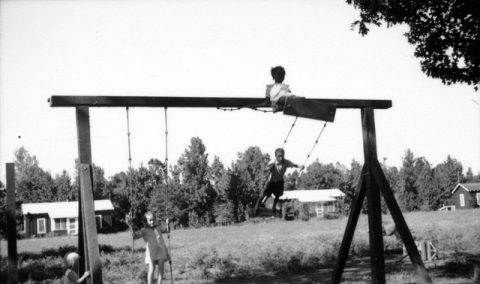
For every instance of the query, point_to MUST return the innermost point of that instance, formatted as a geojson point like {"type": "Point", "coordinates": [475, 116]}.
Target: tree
{"type": "Point", "coordinates": [349, 184]}
{"type": "Point", "coordinates": [117, 187]}
{"type": "Point", "coordinates": [220, 179]}
{"type": "Point", "coordinates": [321, 176]}
{"type": "Point", "coordinates": [446, 175]}
{"type": "Point", "coordinates": [197, 195]}
{"type": "Point", "coordinates": [425, 184]}
{"type": "Point", "coordinates": [408, 190]}
{"type": "Point", "coordinates": [246, 180]}
{"type": "Point", "coordinates": [216, 175]}
{"type": "Point", "coordinates": [445, 34]}
{"type": "Point", "coordinates": [62, 187]}
{"type": "Point", "coordinates": [470, 177]}
{"type": "Point", "coordinates": [33, 184]}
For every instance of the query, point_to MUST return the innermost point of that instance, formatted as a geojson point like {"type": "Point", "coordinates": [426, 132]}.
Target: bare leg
{"type": "Point", "coordinates": [260, 199]}
{"type": "Point", "coordinates": [161, 270]}
{"type": "Point", "coordinates": [150, 273]}
{"type": "Point", "coordinates": [275, 201]}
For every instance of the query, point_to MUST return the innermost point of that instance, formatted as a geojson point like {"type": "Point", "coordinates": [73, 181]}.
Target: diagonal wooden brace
{"type": "Point", "coordinates": [350, 228]}
{"type": "Point", "coordinates": [400, 224]}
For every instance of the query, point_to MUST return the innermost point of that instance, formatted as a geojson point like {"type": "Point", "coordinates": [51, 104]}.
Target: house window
{"type": "Point", "coordinates": [41, 226]}
{"type": "Point", "coordinates": [23, 225]}
{"type": "Point", "coordinates": [478, 198]}
{"type": "Point", "coordinates": [72, 225]}
{"type": "Point", "coordinates": [462, 200]}
{"type": "Point", "coordinates": [98, 219]}
{"type": "Point", "coordinates": [60, 224]}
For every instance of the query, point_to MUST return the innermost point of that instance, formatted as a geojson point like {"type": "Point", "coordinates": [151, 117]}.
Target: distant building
{"type": "Point", "coordinates": [466, 195]}
{"type": "Point", "coordinates": [318, 201]}
{"type": "Point", "coordinates": [61, 218]}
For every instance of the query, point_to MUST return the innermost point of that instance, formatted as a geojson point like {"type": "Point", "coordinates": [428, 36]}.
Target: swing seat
{"type": "Point", "coordinates": [302, 107]}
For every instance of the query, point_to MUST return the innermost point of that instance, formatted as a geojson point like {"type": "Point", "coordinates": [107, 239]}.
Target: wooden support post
{"type": "Point", "coordinates": [86, 182]}
{"type": "Point", "coordinates": [11, 225]}
{"type": "Point", "coordinates": [377, 261]}
{"type": "Point", "coordinates": [355, 210]}
{"type": "Point", "coordinates": [400, 224]}
{"type": "Point", "coordinates": [85, 157]}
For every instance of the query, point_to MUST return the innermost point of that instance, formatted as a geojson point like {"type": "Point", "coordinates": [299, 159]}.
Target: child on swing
{"type": "Point", "coordinates": [156, 253]}
{"type": "Point", "coordinates": [278, 92]}
{"type": "Point", "coordinates": [275, 181]}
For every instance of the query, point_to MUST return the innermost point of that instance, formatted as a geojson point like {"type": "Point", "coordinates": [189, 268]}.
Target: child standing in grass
{"type": "Point", "coordinates": [275, 182]}
{"type": "Point", "coordinates": [70, 277]}
{"type": "Point", "coordinates": [156, 253]}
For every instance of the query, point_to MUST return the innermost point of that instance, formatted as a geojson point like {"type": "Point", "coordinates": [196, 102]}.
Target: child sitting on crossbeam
{"type": "Point", "coordinates": [278, 92]}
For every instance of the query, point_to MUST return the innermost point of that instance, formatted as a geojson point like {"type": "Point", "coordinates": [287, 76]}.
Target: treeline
{"type": "Point", "coordinates": [200, 193]}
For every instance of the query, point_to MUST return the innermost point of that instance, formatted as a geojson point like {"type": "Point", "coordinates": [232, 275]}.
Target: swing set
{"type": "Point", "coordinates": [372, 182]}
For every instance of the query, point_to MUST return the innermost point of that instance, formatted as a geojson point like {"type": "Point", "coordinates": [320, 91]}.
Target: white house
{"type": "Point", "coordinates": [319, 201]}
{"type": "Point", "coordinates": [60, 218]}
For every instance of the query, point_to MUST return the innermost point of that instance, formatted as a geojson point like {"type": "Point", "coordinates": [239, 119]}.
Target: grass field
{"type": "Point", "coordinates": [266, 250]}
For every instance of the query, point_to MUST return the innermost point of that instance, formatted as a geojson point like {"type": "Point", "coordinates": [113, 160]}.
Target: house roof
{"type": "Point", "coordinates": [313, 195]}
{"type": "Point", "coordinates": [67, 209]}
{"type": "Point", "coordinates": [470, 187]}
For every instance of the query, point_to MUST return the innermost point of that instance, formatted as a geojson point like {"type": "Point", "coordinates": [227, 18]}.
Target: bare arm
{"type": "Point", "coordinates": [293, 165]}
{"type": "Point", "coordinates": [164, 228]}
{"type": "Point", "coordinates": [84, 276]}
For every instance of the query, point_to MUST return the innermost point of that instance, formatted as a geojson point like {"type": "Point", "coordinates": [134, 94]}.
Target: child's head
{"type": "Point", "coordinates": [279, 154]}
{"type": "Point", "coordinates": [71, 259]}
{"type": "Point", "coordinates": [149, 218]}
{"type": "Point", "coordinates": [278, 74]}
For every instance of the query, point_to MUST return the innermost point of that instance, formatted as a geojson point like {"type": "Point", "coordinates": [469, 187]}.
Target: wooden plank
{"type": "Point", "coordinates": [11, 225]}
{"type": "Point", "coordinates": [400, 224]}
{"type": "Point", "coordinates": [84, 156]}
{"type": "Point", "coordinates": [310, 109]}
{"type": "Point", "coordinates": [142, 101]}
{"type": "Point", "coordinates": [377, 261]}
{"type": "Point", "coordinates": [86, 187]}
{"type": "Point", "coordinates": [355, 210]}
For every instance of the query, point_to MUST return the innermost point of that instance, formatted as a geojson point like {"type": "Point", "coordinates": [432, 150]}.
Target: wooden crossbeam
{"type": "Point", "coordinates": [244, 102]}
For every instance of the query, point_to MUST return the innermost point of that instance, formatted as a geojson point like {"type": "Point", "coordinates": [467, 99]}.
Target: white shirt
{"type": "Point", "coordinates": [276, 91]}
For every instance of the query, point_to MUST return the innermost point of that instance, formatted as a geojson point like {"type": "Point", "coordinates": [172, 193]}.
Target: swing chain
{"type": "Point", "coordinates": [289, 131]}
{"type": "Point", "coordinates": [239, 108]}
{"type": "Point", "coordinates": [314, 145]}
{"type": "Point", "coordinates": [128, 136]}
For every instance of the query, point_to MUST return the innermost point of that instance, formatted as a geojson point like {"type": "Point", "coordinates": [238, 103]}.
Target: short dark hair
{"type": "Point", "coordinates": [279, 150]}
{"type": "Point", "coordinates": [278, 74]}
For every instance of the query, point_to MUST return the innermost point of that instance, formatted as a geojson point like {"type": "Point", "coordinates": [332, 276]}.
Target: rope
{"type": "Point", "coordinates": [314, 145]}
{"type": "Point", "coordinates": [128, 138]}
{"type": "Point", "coordinates": [130, 178]}
{"type": "Point", "coordinates": [166, 193]}
{"type": "Point", "coordinates": [289, 131]}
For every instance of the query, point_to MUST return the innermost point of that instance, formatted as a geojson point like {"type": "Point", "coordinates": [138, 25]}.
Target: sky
{"type": "Point", "coordinates": [217, 48]}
